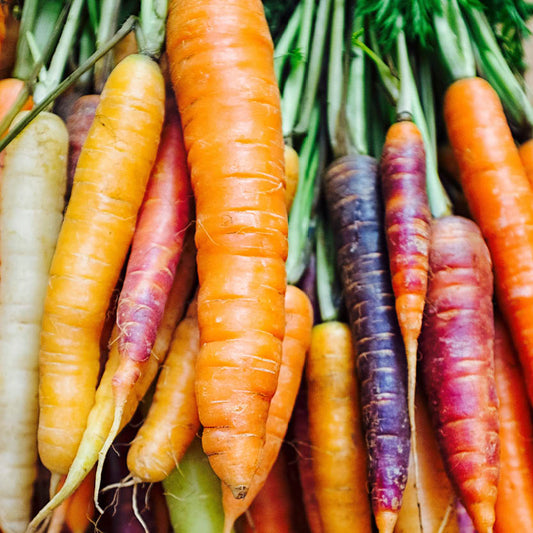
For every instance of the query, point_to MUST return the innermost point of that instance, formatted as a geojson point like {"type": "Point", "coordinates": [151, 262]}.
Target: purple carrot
{"type": "Point", "coordinates": [457, 363]}
{"type": "Point", "coordinates": [354, 203]}
{"type": "Point", "coordinates": [407, 223]}
{"type": "Point", "coordinates": [464, 521]}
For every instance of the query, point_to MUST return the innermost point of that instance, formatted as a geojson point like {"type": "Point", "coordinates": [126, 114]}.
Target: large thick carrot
{"type": "Point", "coordinates": [457, 363]}
{"type": "Point", "coordinates": [172, 420]}
{"type": "Point", "coordinates": [514, 503]}
{"type": "Point", "coordinates": [221, 64]}
{"type": "Point", "coordinates": [299, 321]}
{"type": "Point", "coordinates": [109, 185]}
{"type": "Point", "coordinates": [407, 220]}
{"type": "Point", "coordinates": [31, 209]}
{"type": "Point", "coordinates": [354, 203]}
{"type": "Point", "coordinates": [500, 199]}
{"type": "Point", "coordinates": [101, 416]}
{"type": "Point", "coordinates": [337, 447]}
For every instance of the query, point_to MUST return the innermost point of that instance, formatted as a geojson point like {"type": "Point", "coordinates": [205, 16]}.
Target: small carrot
{"type": "Point", "coordinates": [291, 174]}
{"type": "Point", "coordinates": [514, 503]}
{"type": "Point", "coordinates": [525, 151]}
{"type": "Point", "coordinates": [338, 450]}
{"type": "Point", "coordinates": [31, 208]}
{"type": "Point", "coordinates": [299, 320]}
{"type": "Point", "coordinates": [230, 110]}
{"type": "Point", "coordinates": [172, 420]}
{"type": "Point", "coordinates": [457, 363]}
{"type": "Point", "coordinates": [500, 199]}
{"type": "Point", "coordinates": [354, 205]}
{"type": "Point", "coordinates": [9, 90]}
{"type": "Point", "coordinates": [101, 416]}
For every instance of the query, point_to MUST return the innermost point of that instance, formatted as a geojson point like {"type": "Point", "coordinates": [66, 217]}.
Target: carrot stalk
{"type": "Point", "coordinates": [232, 129]}
{"type": "Point", "coordinates": [457, 363]}
{"type": "Point", "coordinates": [285, 42]}
{"type": "Point", "coordinates": [299, 317]}
{"type": "Point", "coordinates": [354, 205]}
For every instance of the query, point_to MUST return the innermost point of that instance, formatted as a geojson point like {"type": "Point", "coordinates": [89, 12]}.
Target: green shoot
{"type": "Point", "coordinates": [150, 31]}
{"type": "Point", "coordinates": [108, 20]}
{"type": "Point", "coordinates": [285, 43]}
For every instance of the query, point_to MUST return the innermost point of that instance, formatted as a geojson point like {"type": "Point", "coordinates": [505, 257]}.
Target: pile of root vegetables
{"type": "Point", "coordinates": [265, 266]}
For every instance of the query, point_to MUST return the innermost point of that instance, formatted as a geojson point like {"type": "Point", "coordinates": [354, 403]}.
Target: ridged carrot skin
{"type": "Point", "coordinates": [79, 122]}
{"type": "Point", "coordinates": [221, 64]}
{"type": "Point", "coordinates": [407, 222]}
{"type": "Point", "coordinates": [101, 415]}
{"type": "Point", "coordinates": [299, 321]}
{"type": "Point", "coordinates": [514, 503]}
{"type": "Point", "coordinates": [525, 151]}
{"type": "Point", "coordinates": [500, 198]}
{"type": "Point", "coordinates": [337, 447]}
{"type": "Point", "coordinates": [354, 204]}
{"type": "Point", "coordinates": [457, 363]}
{"type": "Point", "coordinates": [109, 186]}
{"type": "Point", "coordinates": [172, 420]}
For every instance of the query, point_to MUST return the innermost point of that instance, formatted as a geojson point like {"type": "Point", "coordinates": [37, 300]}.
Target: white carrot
{"type": "Point", "coordinates": [31, 207]}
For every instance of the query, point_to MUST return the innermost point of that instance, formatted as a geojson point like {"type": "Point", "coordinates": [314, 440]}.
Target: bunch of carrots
{"type": "Point", "coordinates": [238, 277]}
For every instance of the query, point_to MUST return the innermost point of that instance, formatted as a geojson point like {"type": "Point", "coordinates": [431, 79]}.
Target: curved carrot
{"type": "Point", "coordinates": [223, 76]}
{"type": "Point", "coordinates": [109, 185]}
{"type": "Point", "coordinates": [299, 320]}
{"type": "Point", "coordinates": [101, 416]}
{"type": "Point", "coordinates": [500, 198]}
{"type": "Point", "coordinates": [338, 449]}
{"type": "Point", "coordinates": [514, 503]}
{"type": "Point", "coordinates": [172, 420]}
{"type": "Point", "coordinates": [525, 151]}
{"type": "Point", "coordinates": [457, 363]}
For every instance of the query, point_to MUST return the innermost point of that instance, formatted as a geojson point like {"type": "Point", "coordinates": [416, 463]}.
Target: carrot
{"type": "Point", "coordinates": [407, 220]}
{"type": "Point", "coordinates": [79, 122]}
{"type": "Point", "coordinates": [4, 10]}
{"type": "Point", "coordinates": [457, 363]}
{"type": "Point", "coordinates": [273, 508]}
{"type": "Point", "coordinates": [500, 199]}
{"type": "Point", "coordinates": [31, 206]}
{"type": "Point", "coordinates": [514, 503]}
{"type": "Point", "coordinates": [172, 421]}
{"type": "Point", "coordinates": [9, 90]}
{"type": "Point", "coordinates": [299, 320]}
{"type": "Point", "coordinates": [338, 450]}
{"type": "Point", "coordinates": [291, 174]}
{"type": "Point", "coordinates": [230, 110]}
{"type": "Point", "coordinates": [354, 205]}
{"type": "Point", "coordinates": [464, 522]}
{"type": "Point", "coordinates": [101, 415]}
{"type": "Point", "coordinates": [9, 44]}
{"type": "Point", "coordinates": [109, 185]}
{"type": "Point", "coordinates": [525, 150]}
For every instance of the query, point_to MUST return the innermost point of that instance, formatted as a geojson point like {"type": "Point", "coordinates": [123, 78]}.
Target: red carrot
{"type": "Point", "coordinates": [457, 363]}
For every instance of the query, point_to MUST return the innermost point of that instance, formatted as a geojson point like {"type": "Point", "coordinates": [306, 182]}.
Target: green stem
{"type": "Point", "coordinates": [356, 96]}
{"type": "Point", "coordinates": [327, 286]}
{"type": "Point", "coordinates": [67, 82]}
{"type": "Point", "coordinates": [24, 61]}
{"type": "Point", "coordinates": [315, 65]}
{"type": "Point", "coordinates": [406, 96]}
{"type": "Point", "coordinates": [497, 71]}
{"type": "Point", "coordinates": [87, 46]}
{"type": "Point", "coordinates": [292, 90]}
{"type": "Point", "coordinates": [106, 26]}
{"type": "Point", "coordinates": [285, 43]}
{"type": "Point", "coordinates": [59, 59]}
{"type": "Point", "coordinates": [151, 27]}
{"type": "Point", "coordinates": [453, 41]}
{"type": "Point", "coordinates": [427, 97]}
{"type": "Point", "coordinates": [336, 81]}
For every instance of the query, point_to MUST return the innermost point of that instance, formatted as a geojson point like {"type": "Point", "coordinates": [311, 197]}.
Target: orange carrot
{"type": "Point", "coordinates": [172, 421]}
{"type": "Point", "coordinates": [525, 151]}
{"type": "Point", "coordinates": [514, 503]}
{"type": "Point", "coordinates": [291, 174]}
{"type": "Point", "coordinates": [500, 199]}
{"type": "Point", "coordinates": [338, 450]}
{"type": "Point", "coordinates": [223, 76]}
{"type": "Point", "coordinates": [9, 90]}
{"type": "Point", "coordinates": [4, 11]}
{"type": "Point", "coordinates": [299, 320]}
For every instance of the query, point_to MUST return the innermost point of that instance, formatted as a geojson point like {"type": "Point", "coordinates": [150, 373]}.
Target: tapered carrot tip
{"type": "Point", "coordinates": [482, 514]}
{"type": "Point", "coordinates": [386, 520]}
{"type": "Point", "coordinates": [239, 491]}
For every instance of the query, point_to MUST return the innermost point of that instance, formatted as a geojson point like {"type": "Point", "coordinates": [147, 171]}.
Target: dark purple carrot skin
{"type": "Point", "coordinates": [79, 121]}
{"type": "Point", "coordinates": [353, 198]}
{"type": "Point", "coordinates": [464, 522]}
{"type": "Point", "coordinates": [457, 363]}
{"type": "Point", "coordinates": [308, 284]}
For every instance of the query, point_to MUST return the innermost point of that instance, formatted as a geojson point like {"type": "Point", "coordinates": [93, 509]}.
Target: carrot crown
{"type": "Point", "coordinates": [150, 31]}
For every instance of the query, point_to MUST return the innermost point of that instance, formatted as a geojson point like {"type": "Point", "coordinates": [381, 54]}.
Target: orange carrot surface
{"type": "Point", "coordinates": [525, 151]}
{"type": "Point", "coordinates": [221, 63]}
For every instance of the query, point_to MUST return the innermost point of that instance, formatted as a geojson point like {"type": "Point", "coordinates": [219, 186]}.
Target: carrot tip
{"type": "Point", "coordinates": [239, 491]}
{"type": "Point", "coordinates": [482, 514]}
{"type": "Point", "coordinates": [386, 520]}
